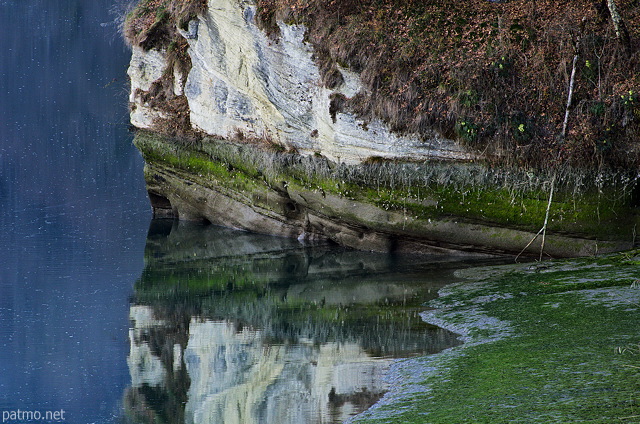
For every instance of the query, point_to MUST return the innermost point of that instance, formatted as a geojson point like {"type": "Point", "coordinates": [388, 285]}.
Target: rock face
{"type": "Point", "coordinates": [246, 87]}
{"type": "Point", "coordinates": [145, 68]}
{"type": "Point", "coordinates": [243, 82]}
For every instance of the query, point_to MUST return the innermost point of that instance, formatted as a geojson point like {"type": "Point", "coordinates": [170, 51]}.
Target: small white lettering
{"type": "Point", "coordinates": [22, 416]}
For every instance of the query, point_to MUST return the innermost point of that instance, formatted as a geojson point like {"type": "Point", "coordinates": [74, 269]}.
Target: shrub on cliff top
{"type": "Point", "coordinates": [152, 23]}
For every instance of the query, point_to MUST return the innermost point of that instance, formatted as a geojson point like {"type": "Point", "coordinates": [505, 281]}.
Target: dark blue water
{"type": "Point", "coordinates": [73, 210]}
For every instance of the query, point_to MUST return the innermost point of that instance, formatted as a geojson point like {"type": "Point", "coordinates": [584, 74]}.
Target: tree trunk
{"type": "Point", "coordinates": [619, 25]}
{"type": "Point", "coordinates": [572, 80]}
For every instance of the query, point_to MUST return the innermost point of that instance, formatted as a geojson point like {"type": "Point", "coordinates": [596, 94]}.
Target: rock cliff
{"type": "Point", "coordinates": [243, 83]}
{"type": "Point", "coordinates": [296, 163]}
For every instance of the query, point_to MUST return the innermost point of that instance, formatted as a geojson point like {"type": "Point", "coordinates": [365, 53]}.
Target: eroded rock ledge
{"type": "Point", "coordinates": [278, 155]}
{"type": "Point", "coordinates": [250, 188]}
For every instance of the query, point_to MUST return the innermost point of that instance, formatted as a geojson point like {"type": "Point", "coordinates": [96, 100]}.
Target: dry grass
{"type": "Point", "coordinates": [152, 24]}
{"type": "Point", "coordinates": [501, 67]}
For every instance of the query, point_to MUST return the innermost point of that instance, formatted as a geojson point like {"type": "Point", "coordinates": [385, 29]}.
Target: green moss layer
{"type": "Point", "coordinates": [544, 344]}
{"type": "Point", "coordinates": [588, 206]}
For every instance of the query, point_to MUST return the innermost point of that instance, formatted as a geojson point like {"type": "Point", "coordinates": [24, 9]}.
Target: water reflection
{"type": "Point", "coordinates": [233, 374]}
{"type": "Point", "coordinates": [233, 327]}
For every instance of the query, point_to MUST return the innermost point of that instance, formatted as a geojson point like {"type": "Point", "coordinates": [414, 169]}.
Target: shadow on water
{"type": "Point", "coordinates": [232, 327]}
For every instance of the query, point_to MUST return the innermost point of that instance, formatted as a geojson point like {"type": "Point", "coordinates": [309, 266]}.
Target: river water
{"type": "Point", "coordinates": [111, 317]}
{"type": "Point", "coordinates": [73, 212]}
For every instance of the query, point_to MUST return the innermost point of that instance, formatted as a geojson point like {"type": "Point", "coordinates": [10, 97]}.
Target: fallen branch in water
{"type": "Point", "coordinates": [546, 216]}
{"type": "Point", "coordinates": [542, 230]}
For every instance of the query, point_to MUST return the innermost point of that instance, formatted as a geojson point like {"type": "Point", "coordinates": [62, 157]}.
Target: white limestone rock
{"type": "Point", "coordinates": [243, 81]}
{"type": "Point", "coordinates": [145, 68]}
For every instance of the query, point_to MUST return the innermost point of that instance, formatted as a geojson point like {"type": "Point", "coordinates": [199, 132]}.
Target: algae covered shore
{"type": "Point", "coordinates": [544, 343]}
{"type": "Point", "coordinates": [424, 206]}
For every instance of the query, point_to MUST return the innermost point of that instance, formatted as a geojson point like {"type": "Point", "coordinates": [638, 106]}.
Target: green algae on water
{"type": "Point", "coordinates": [544, 343]}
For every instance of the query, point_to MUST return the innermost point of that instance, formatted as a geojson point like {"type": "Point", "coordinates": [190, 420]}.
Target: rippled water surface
{"type": "Point", "coordinates": [73, 211]}
{"type": "Point", "coordinates": [111, 317]}
{"type": "Point", "coordinates": [241, 328]}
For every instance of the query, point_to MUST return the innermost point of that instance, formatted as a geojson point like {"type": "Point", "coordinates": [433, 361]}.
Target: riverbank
{"type": "Point", "coordinates": [544, 342]}
{"type": "Point", "coordinates": [389, 206]}
{"type": "Point", "coordinates": [257, 123]}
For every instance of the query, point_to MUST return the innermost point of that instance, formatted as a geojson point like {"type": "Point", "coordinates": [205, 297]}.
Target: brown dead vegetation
{"type": "Point", "coordinates": [153, 24]}
{"type": "Point", "coordinates": [493, 74]}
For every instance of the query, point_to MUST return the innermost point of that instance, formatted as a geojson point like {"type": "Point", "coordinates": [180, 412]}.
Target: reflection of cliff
{"type": "Point", "coordinates": [232, 327]}
{"type": "Point", "coordinates": [159, 380]}
{"type": "Point", "coordinates": [290, 291]}
{"type": "Point", "coordinates": [231, 374]}
{"type": "Point", "coordinates": [241, 377]}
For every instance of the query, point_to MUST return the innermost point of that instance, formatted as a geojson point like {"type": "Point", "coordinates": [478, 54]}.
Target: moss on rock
{"type": "Point", "coordinates": [453, 206]}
